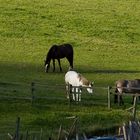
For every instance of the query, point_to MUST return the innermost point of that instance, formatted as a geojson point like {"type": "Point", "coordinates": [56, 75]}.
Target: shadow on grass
{"type": "Point", "coordinates": [22, 68]}
{"type": "Point", "coordinates": [6, 67]}
{"type": "Point", "coordinates": [84, 69]}
{"type": "Point", "coordinates": [116, 71]}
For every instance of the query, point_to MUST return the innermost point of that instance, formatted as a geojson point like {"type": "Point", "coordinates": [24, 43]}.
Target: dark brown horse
{"type": "Point", "coordinates": [126, 86]}
{"type": "Point", "coordinates": [58, 52]}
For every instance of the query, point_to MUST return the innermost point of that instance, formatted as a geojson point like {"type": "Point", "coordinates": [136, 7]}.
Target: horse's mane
{"type": "Point", "coordinates": [51, 51]}
{"type": "Point", "coordinates": [83, 79]}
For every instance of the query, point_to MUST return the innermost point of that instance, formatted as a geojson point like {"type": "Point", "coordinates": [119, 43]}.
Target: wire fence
{"type": "Point", "coordinates": [35, 91]}
{"type": "Point", "coordinates": [17, 132]}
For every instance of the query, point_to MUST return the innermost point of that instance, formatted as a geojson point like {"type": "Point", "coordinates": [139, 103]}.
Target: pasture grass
{"type": "Point", "coordinates": [106, 39]}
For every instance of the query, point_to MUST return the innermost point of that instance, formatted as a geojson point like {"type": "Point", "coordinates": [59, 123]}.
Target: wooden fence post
{"type": "Point", "coordinates": [130, 134]}
{"type": "Point", "coordinates": [76, 128]}
{"type": "Point", "coordinates": [134, 107]}
{"type": "Point", "coordinates": [124, 132]}
{"type": "Point", "coordinates": [17, 129]}
{"type": "Point", "coordinates": [109, 103]}
{"type": "Point", "coordinates": [32, 91]}
{"type": "Point", "coordinates": [27, 134]}
{"type": "Point", "coordinates": [59, 133]}
{"type": "Point", "coordinates": [72, 128]}
{"type": "Point", "coordinates": [69, 94]}
{"type": "Point", "coordinates": [85, 137]}
{"type": "Point", "coordinates": [41, 134]}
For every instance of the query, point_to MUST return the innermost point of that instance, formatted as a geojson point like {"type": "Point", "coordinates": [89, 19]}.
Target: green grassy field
{"type": "Point", "coordinates": [106, 39]}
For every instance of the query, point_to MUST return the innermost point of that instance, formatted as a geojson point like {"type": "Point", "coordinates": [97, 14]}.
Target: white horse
{"type": "Point", "coordinates": [72, 78]}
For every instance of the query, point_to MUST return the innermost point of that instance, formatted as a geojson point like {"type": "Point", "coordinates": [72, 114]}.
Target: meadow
{"type": "Point", "coordinates": [105, 35]}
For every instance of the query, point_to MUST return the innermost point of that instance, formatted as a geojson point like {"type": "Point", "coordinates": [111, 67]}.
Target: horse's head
{"type": "Point", "coordinates": [85, 83]}
{"type": "Point", "coordinates": [90, 88]}
{"type": "Point", "coordinates": [47, 65]}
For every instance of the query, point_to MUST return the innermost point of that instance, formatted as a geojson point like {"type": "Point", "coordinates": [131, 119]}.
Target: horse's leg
{"type": "Point", "coordinates": [59, 64]}
{"type": "Point", "coordinates": [121, 100]}
{"type": "Point", "coordinates": [53, 65]}
{"type": "Point", "coordinates": [118, 99]}
{"type": "Point", "coordinates": [70, 59]}
{"type": "Point", "coordinates": [79, 94]}
{"type": "Point", "coordinates": [115, 99]}
{"type": "Point", "coordinates": [67, 91]}
{"type": "Point", "coordinates": [116, 96]}
{"type": "Point", "coordinates": [138, 98]}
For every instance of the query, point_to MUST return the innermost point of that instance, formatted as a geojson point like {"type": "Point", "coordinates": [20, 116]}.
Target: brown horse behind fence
{"type": "Point", "coordinates": [126, 86]}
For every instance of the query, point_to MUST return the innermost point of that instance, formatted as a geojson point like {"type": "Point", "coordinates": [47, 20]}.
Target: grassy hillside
{"type": "Point", "coordinates": [106, 39]}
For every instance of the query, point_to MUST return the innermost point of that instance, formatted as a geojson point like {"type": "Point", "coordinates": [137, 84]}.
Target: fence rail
{"type": "Point", "coordinates": [34, 87]}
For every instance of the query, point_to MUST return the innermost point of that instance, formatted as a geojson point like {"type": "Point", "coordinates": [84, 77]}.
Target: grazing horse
{"type": "Point", "coordinates": [58, 52]}
{"type": "Point", "coordinates": [126, 86]}
{"type": "Point", "coordinates": [73, 78]}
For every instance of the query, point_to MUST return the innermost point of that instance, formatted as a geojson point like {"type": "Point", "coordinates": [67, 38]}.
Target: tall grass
{"type": "Point", "coordinates": [106, 39]}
